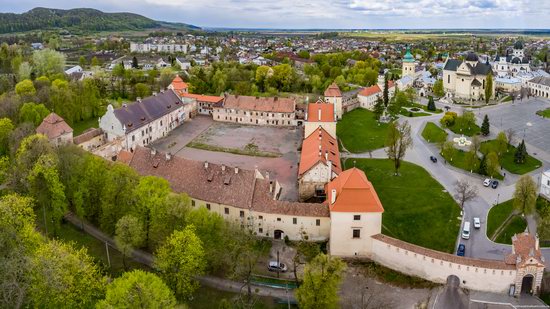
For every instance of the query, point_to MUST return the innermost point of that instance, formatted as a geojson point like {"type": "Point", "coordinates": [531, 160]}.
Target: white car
{"type": "Point", "coordinates": [477, 222]}
{"type": "Point", "coordinates": [487, 182]}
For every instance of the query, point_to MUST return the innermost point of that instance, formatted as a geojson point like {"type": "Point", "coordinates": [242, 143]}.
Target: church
{"type": "Point", "coordinates": [512, 64]}
{"type": "Point", "coordinates": [466, 79]}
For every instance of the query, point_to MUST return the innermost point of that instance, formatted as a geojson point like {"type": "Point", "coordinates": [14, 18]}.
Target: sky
{"type": "Point", "coordinates": [322, 14]}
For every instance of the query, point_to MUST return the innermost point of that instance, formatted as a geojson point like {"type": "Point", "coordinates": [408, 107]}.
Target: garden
{"type": "Point", "coordinates": [359, 131]}
{"type": "Point", "coordinates": [544, 113]}
{"type": "Point", "coordinates": [432, 133]}
{"type": "Point", "coordinates": [507, 156]}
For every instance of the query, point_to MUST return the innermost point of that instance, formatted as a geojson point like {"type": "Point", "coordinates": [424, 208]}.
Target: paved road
{"type": "Point", "coordinates": [478, 246]}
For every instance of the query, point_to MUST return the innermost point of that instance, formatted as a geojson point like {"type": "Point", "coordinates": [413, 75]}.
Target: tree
{"type": "Point", "coordinates": [33, 113]}
{"type": "Point", "coordinates": [142, 90]}
{"type": "Point", "coordinates": [525, 195]}
{"type": "Point", "coordinates": [180, 260]}
{"type": "Point", "coordinates": [64, 277]}
{"type": "Point", "coordinates": [510, 133]}
{"type": "Point", "coordinates": [25, 88]}
{"type": "Point", "coordinates": [521, 153]}
{"type": "Point", "coordinates": [471, 160]}
{"type": "Point", "coordinates": [483, 165]}
{"type": "Point", "coordinates": [128, 236]}
{"type": "Point", "coordinates": [379, 107]}
{"type": "Point", "coordinates": [48, 62]}
{"type": "Point", "coordinates": [385, 93]}
{"type": "Point", "coordinates": [94, 62]}
{"type": "Point", "coordinates": [135, 63]}
{"type": "Point", "coordinates": [431, 104]}
{"type": "Point", "coordinates": [171, 215]}
{"type": "Point", "coordinates": [138, 289]}
{"type": "Point", "coordinates": [485, 126]}
{"type": "Point", "coordinates": [488, 88]}
{"type": "Point", "coordinates": [6, 127]}
{"type": "Point", "coordinates": [398, 141]}
{"type": "Point", "coordinates": [476, 144]}
{"type": "Point", "coordinates": [464, 192]}
{"type": "Point", "coordinates": [150, 192]}
{"type": "Point", "coordinates": [166, 77]}
{"type": "Point", "coordinates": [24, 71]}
{"type": "Point", "coordinates": [322, 277]}
{"type": "Point", "coordinates": [449, 119]}
{"type": "Point", "coordinates": [438, 88]}
{"type": "Point", "coordinates": [493, 165]}
{"type": "Point", "coordinates": [82, 61]}
{"type": "Point", "coordinates": [448, 150]}
{"type": "Point", "coordinates": [501, 143]}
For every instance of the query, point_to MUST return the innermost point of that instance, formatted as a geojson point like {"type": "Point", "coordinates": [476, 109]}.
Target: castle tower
{"type": "Point", "coordinates": [333, 95]}
{"type": "Point", "coordinates": [518, 50]}
{"type": "Point", "coordinates": [409, 66]}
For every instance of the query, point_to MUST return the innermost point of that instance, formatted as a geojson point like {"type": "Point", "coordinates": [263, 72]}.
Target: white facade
{"type": "Point", "coordinates": [160, 48]}
{"type": "Point", "coordinates": [539, 86]}
{"type": "Point", "coordinates": [337, 102]}
{"type": "Point", "coordinates": [545, 184]}
{"type": "Point", "coordinates": [368, 102]}
{"type": "Point", "coordinates": [311, 126]}
{"type": "Point", "coordinates": [342, 240]}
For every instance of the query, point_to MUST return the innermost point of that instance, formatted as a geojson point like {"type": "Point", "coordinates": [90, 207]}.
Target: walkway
{"type": "Point", "coordinates": [147, 258]}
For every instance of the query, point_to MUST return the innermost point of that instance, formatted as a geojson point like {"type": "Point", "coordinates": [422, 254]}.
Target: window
{"type": "Point", "coordinates": [142, 133]}
{"type": "Point", "coordinates": [278, 219]}
{"type": "Point", "coordinates": [193, 203]}
{"type": "Point", "coordinates": [161, 123]}
{"type": "Point", "coordinates": [260, 217]}
{"type": "Point", "coordinates": [448, 79]}
{"type": "Point", "coordinates": [356, 233]}
{"type": "Point", "coordinates": [226, 210]}
{"type": "Point", "coordinates": [241, 214]}
{"type": "Point", "coordinates": [318, 222]}
{"type": "Point", "coordinates": [294, 220]}
{"type": "Point", "coordinates": [207, 206]}
{"type": "Point", "coordinates": [133, 138]}
{"type": "Point", "coordinates": [260, 230]}
{"type": "Point", "coordinates": [356, 217]}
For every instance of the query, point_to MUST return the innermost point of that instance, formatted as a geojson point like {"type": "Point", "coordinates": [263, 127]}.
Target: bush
{"type": "Point", "coordinates": [448, 119]}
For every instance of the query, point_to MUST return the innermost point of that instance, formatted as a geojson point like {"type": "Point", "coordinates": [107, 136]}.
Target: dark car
{"type": "Point", "coordinates": [461, 250]}
{"type": "Point", "coordinates": [433, 159]}
{"type": "Point", "coordinates": [494, 184]}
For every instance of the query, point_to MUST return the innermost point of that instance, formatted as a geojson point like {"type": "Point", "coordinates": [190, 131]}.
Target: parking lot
{"type": "Point", "coordinates": [284, 142]}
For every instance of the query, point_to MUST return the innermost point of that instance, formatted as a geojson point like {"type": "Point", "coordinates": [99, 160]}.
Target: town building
{"type": "Point", "coordinates": [320, 115]}
{"type": "Point", "coordinates": [333, 95]}
{"type": "Point", "coordinates": [539, 86]}
{"type": "Point", "coordinates": [512, 64]}
{"type": "Point", "coordinates": [409, 64]}
{"type": "Point", "coordinates": [368, 96]}
{"type": "Point", "coordinates": [272, 111]}
{"type": "Point", "coordinates": [545, 185]}
{"type": "Point", "coordinates": [56, 130]}
{"type": "Point", "coordinates": [159, 48]}
{"type": "Point", "coordinates": [145, 121]}
{"type": "Point", "coordinates": [466, 79]}
{"type": "Point", "coordinates": [204, 103]}
{"type": "Point", "coordinates": [319, 164]}
{"type": "Point", "coordinates": [90, 139]}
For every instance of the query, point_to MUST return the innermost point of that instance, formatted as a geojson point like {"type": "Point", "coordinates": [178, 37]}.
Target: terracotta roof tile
{"type": "Point", "coordinates": [260, 104]}
{"type": "Point", "coordinates": [370, 90]}
{"type": "Point", "coordinates": [333, 91]}
{"type": "Point", "coordinates": [315, 148]}
{"type": "Point", "coordinates": [124, 156]}
{"type": "Point", "coordinates": [178, 84]}
{"type": "Point", "coordinates": [525, 246]}
{"type": "Point", "coordinates": [354, 193]}
{"type": "Point", "coordinates": [87, 135]}
{"type": "Point", "coordinates": [202, 98]}
{"type": "Point", "coordinates": [53, 126]}
{"type": "Point", "coordinates": [320, 112]}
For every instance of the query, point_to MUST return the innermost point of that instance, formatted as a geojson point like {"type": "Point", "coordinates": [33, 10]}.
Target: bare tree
{"type": "Point", "coordinates": [510, 134]}
{"type": "Point", "coordinates": [476, 143]}
{"type": "Point", "coordinates": [464, 191]}
{"type": "Point", "coordinates": [398, 141]}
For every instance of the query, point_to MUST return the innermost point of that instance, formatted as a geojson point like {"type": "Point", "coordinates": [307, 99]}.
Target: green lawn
{"type": "Point", "coordinates": [516, 225]}
{"type": "Point", "coordinates": [467, 131]}
{"type": "Point", "coordinates": [81, 126]}
{"type": "Point", "coordinates": [406, 113]}
{"type": "Point", "coordinates": [459, 161]}
{"type": "Point", "coordinates": [433, 133]}
{"type": "Point", "coordinates": [417, 209]}
{"type": "Point", "coordinates": [544, 113]}
{"type": "Point", "coordinates": [497, 215]}
{"type": "Point", "coordinates": [507, 159]}
{"type": "Point", "coordinates": [359, 131]}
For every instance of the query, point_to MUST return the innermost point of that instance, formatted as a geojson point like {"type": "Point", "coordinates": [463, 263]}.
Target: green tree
{"type": "Point", "coordinates": [471, 160]}
{"type": "Point", "coordinates": [485, 126]}
{"type": "Point", "coordinates": [63, 277]}
{"type": "Point", "coordinates": [322, 277]}
{"type": "Point", "coordinates": [438, 88]}
{"type": "Point", "coordinates": [488, 88]}
{"type": "Point", "coordinates": [82, 62]}
{"type": "Point", "coordinates": [135, 63]}
{"type": "Point", "coordinates": [25, 88]}
{"type": "Point", "coordinates": [180, 260]}
{"type": "Point", "coordinates": [398, 141]}
{"type": "Point", "coordinates": [501, 143]}
{"type": "Point", "coordinates": [379, 107]}
{"type": "Point", "coordinates": [150, 192]}
{"type": "Point", "coordinates": [261, 76]}
{"type": "Point", "coordinates": [448, 150]}
{"type": "Point", "coordinates": [166, 77]}
{"type": "Point", "coordinates": [33, 113]}
{"type": "Point", "coordinates": [449, 119]}
{"type": "Point", "coordinates": [48, 62]}
{"type": "Point", "coordinates": [521, 153]}
{"type": "Point", "coordinates": [142, 90]}
{"type": "Point", "coordinates": [525, 195]}
{"type": "Point", "coordinates": [493, 165]}
{"type": "Point", "coordinates": [483, 166]}
{"type": "Point", "coordinates": [171, 215]}
{"type": "Point", "coordinates": [385, 93]}
{"type": "Point", "coordinates": [24, 71]}
{"type": "Point", "coordinates": [6, 127]}
{"type": "Point", "coordinates": [431, 104]}
{"type": "Point", "coordinates": [129, 235]}
{"type": "Point", "coordinates": [138, 289]}
{"type": "Point", "coordinates": [95, 62]}
{"type": "Point", "coordinates": [30, 150]}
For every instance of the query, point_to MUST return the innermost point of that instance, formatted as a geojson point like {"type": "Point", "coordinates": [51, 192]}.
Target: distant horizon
{"type": "Point", "coordinates": [304, 15]}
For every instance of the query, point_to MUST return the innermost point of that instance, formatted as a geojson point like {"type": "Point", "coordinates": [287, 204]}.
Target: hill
{"type": "Point", "coordinates": [80, 19]}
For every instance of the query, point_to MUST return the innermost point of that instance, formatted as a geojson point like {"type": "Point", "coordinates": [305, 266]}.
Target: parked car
{"type": "Point", "coordinates": [461, 250]}
{"type": "Point", "coordinates": [433, 159]}
{"type": "Point", "coordinates": [487, 182]}
{"type": "Point", "coordinates": [466, 230]}
{"type": "Point", "coordinates": [494, 184]}
{"type": "Point", "coordinates": [274, 267]}
{"type": "Point", "coordinates": [477, 223]}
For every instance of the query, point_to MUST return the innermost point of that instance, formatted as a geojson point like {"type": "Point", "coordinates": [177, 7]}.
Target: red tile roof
{"type": "Point", "coordinates": [354, 193]}
{"type": "Point", "coordinates": [53, 126]}
{"type": "Point", "coordinates": [260, 104]}
{"type": "Point", "coordinates": [333, 91]}
{"type": "Point", "coordinates": [525, 247]}
{"type": "Point", "coordinates": [316, 148]}
{"type": "Point", "coordinates": [87, 135]}
{"type": "Point", "coordinates": [178, 84]}
{"type": "Point", "coordinates": [202, 98]}
{"type": "Point", "coordinates": [320, 112]}
{"type": "Point", "coordinates": [370, 90]}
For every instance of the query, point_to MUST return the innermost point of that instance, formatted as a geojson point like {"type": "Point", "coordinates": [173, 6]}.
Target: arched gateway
{"type": "Point", "coordinates": [529, 262]}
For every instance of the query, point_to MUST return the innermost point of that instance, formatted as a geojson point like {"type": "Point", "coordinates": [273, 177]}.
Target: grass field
{"type": "Point", "coordinates": [516, 225]}
{"type": "Point", "coordinates": [359, 131]}
{"type": "Point", "coordinates": [497, 215]}
{"type": "Point", "coordinates": [81, 126]}
{"type": "Point", "coordinates": [467, 131]}
{"type": "Point", "coordinates": [433, 133]}
{"type": "Point", "coordinates": [544, 113]}
{"type": "Point", "coordinates": [406, 113]}
{"type": "Point", "coordinates": [507, 159]}
{"type": "Point", "coordinates": [417, 209]}
{"type": "Point", "coordinates": [459, 161]}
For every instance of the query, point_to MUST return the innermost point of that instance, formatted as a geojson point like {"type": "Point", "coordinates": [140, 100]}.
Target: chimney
{"type": "Point", "coordinates": [153, 151]}
{"type": "Point", "coordinates": [236, 170]}
{"type": "Point", "coordinates": [326, 155]}
{"type": "Point", "coordinates": [168, 156]}
{"type": "Point", "coordinates": [206, 164]}
{"type": "Point", "coordinates": [319, 114]}
{"type": "Point", "coordinates": [223, 167]}
{"type": "Point", "coordinates": [271, 187]}
{"type": "Point", "coordinates": [333, 196]}
{"type": "Point", "coordinates": [266, 175]}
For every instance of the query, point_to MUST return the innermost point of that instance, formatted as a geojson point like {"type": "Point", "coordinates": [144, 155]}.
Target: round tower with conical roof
{"type": "Point", "coordinates": [409, 65]}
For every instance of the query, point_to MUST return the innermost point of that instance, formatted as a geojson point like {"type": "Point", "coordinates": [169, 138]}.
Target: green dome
{"type": "Point", "coordinates": [408, 56]}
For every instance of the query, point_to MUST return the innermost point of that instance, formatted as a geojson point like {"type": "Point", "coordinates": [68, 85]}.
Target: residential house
{"type": "Point", "coordinates": [272, 111]}
{"type": "Point", "coordinates": [320, 115]}
{"type": "Point", "coordinates": [56, 130]}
